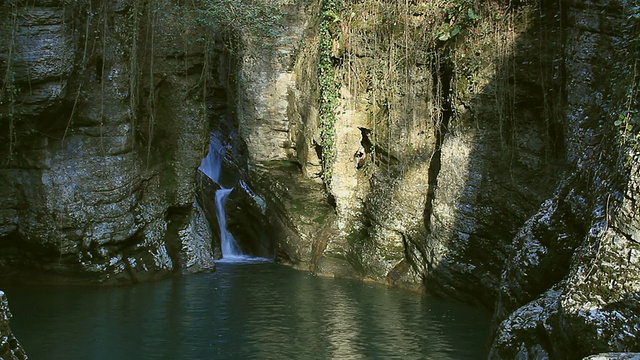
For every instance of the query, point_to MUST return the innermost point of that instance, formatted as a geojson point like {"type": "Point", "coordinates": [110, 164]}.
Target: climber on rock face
{"type": "Point", "coordinates": [360, 156]}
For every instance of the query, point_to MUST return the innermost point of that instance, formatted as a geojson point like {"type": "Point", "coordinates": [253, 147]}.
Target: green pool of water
{"type": "Point", "coordinates": [244, 311]}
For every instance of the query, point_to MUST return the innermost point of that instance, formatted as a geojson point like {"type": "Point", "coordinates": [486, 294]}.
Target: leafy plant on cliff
{"type": "Point", "coordinates": [243, 22]}
{"type": "Point", "coordinates": [459, 15]}
{"type": "Point", "coordinates": [329, 96]}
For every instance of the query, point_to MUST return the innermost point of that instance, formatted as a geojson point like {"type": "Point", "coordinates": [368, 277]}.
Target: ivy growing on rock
{"type": "Point", "coordinates": [459, 15]}
{"type": "Point", "coordinates": [329, 96]}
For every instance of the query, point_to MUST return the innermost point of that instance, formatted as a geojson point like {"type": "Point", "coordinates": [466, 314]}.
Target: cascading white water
{"type": "Point", "coordinates": [227, 242]}
{"type": "Point", "coordinates": [212, 163]}
{"type": "Point", "coordinates": [211, 166]}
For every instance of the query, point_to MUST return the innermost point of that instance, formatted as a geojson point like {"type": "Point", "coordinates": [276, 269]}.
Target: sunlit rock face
{"type": "Point", "coordinates": [494, 174]}
{"type": "Point", "coordinates": [10, 348]}
{"type": "Point", "coordinates": [437, 163]}
{"type": "Point", "coordinates": [101, 138]}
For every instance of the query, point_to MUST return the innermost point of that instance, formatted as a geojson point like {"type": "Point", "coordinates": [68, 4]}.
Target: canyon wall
{"type": "Point", "coordinates": [484, 153]}
{"type": "Point", "coordinates": [481, 151]}
{"type": "Point", "coordinates": [439, 143]}
{"type": "Point", "coordinates": [570, 286]}
{"type": "Point", "coordinates": [103, 128]}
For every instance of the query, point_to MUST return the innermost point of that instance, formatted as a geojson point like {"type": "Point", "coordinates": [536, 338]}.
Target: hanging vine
{"type": "Point", "coordinates": [151, 100]}
{"type": "Point", "coordinates": [9, 90]}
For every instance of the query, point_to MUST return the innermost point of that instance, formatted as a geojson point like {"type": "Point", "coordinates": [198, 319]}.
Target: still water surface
{"type": "Point", "coordinates": [244, 311]}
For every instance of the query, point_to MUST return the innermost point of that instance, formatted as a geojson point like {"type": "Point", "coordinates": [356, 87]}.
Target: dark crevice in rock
{"type": "Point", "coordinates": [411, 260]}
{"type": "Point", "coordinates": [23, 261]}
{"type": "Point", "coordinates": [318, 148]}
{"type": "Point", "coordinates": [331, 200]}
{"type": "Point", "coordinates": [365, 141]}
{"type": "Point", "coordinates": [177, 218]}
{"type": "Point", "coordinates": [363, 154]}
{"type": "Point", "coordinates": [442, 82]}
{"type": "Point", "coordinates": [99, 66]}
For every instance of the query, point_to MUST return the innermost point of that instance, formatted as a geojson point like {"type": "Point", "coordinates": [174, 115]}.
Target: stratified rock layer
{"type": "Point", "coordinates": [104, 138]}
{"type": "Point", "coordinates": [570, 287]}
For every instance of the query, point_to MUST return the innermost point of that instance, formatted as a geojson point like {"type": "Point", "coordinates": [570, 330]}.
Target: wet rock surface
{"type": "Point", "coordinates": [614, 356]}
{"type": "Point", "coordinates": [300, 217]}
{"type": "Point", "coordinates": [10, 348]}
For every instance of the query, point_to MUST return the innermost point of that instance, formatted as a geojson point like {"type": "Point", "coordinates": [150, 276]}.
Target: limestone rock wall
{"type": "Point", "coordinates": [492, 169]}
{"type": "Point", "coordinates": [103, 127]}
{"type": "Point", "coordinates": [440, 154]}
{"type": "Point", "coordinates": [503, 152]}
{"type": "Point", "coordinates": [570, 286]}
{"type": "Point", "coordinates": [266, 76]}
{"type": "Point", "coordinates": [473, 152]}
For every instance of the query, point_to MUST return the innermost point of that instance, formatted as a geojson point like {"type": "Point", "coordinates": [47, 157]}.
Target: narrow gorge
{"type": "Point", "coordinates": [479, 151]}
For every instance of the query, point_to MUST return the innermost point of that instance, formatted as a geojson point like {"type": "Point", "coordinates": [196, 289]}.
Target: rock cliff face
{"type": "Point", "coordinates": [491, 170]}
{"type": "Point", "coordinates": [10, 348]}
{"type": "Point", "coordinates": [440, 147]}
{"type": "Point", "coordinates": [483, 151]}
{"type": "Point", "coordinates": [570, 287]}
{"type": "Point", "coordinates": [103, 127]}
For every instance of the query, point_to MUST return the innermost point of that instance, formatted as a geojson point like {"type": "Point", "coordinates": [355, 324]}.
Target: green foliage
{"type": "Point", "coordinates": [459, 15]}
{"type": "Point", "coordinates": [329, 96]}
{"type": "Point", "coordinates": [242, 20]}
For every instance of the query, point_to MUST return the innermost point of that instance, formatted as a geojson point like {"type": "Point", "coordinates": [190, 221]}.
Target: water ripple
{"type": "Point", "coordinates": [250, 309]}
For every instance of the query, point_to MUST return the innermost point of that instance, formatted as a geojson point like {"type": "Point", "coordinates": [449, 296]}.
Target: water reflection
{"type": "Point", "coordinates": [243, 311]}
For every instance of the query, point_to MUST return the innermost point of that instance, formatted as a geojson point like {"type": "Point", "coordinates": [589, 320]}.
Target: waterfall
{"type": "Point", "coordinates": [212, 167]}
{"type": "Point", "coordinates": [227, 242]}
